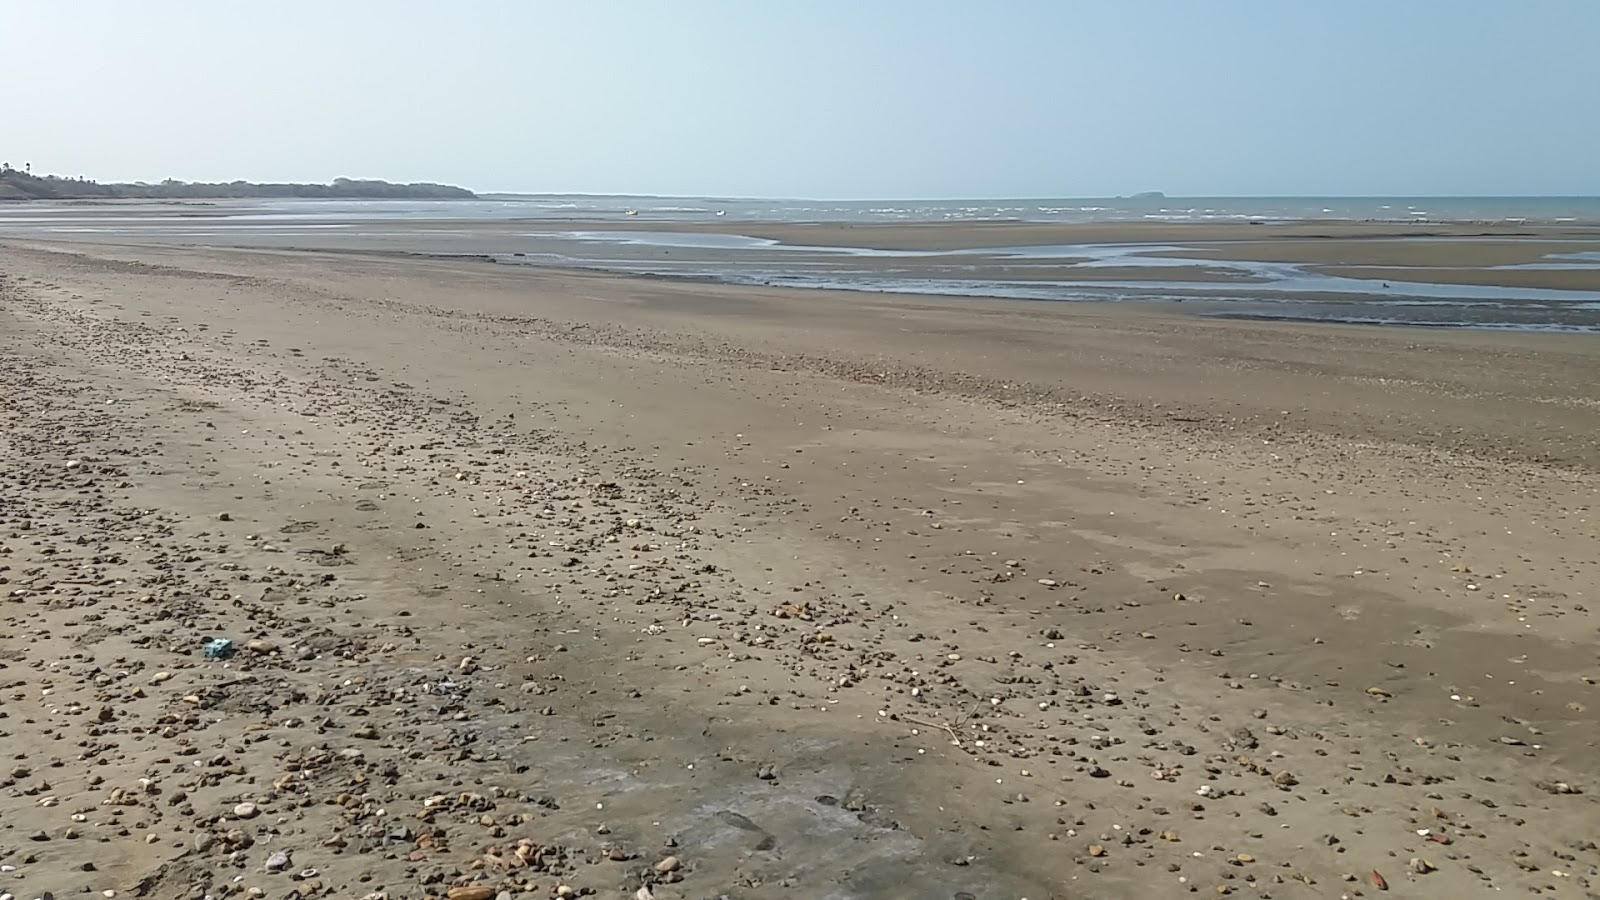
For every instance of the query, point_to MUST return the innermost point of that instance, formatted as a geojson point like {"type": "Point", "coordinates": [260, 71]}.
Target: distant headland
{"type": "Point", "coordinates": [22, 184]}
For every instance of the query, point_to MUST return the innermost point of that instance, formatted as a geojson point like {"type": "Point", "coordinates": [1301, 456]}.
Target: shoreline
{"type": "Point", "coordinates": [1419, 275]}
{"type": "Point", "coordinates": [1369, 295]}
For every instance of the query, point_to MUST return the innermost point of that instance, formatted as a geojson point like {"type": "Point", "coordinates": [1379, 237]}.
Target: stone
{"type": "Point", "coordinates": [246, 811]}
{"type": "Point", "coordinates": [668, 864]}
{"type": "Point", "coordinates": [278, 861]}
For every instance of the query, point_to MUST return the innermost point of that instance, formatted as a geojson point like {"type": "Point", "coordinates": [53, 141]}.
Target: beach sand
{"type": "Point", "coordinates": [545, 583]}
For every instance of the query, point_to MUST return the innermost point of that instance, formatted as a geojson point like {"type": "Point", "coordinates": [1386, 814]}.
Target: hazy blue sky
{"type": "Point", "coordinates": [870, 98]}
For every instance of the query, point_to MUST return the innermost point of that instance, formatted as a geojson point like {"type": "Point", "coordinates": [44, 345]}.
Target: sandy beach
{"type": "Point", "coordinates": [542, 583]}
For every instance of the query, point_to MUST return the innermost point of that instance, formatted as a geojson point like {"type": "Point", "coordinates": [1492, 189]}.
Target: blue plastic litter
{"type": "Point", "coordinates": [219, 648]}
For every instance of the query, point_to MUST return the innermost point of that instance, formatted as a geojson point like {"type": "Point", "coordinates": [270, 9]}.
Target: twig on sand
{"type": "Point", "coordinates": [947, 727]}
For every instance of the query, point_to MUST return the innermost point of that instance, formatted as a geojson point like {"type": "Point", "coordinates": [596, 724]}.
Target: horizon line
{"type": "Point", "coordinates": [957, 198]}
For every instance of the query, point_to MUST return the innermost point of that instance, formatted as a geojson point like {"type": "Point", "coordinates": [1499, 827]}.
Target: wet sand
{"type": "Point", "coordinates": [545, 583]}
{"type": "Point", "coordinates": [963, 235]}
{"type": "Point", "coordinates": [1452, 253]}
{"type": "Point", "coordinates": [1433, 252]}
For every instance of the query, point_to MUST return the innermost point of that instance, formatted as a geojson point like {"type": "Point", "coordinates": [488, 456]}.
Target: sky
{"type": "Point", "coordinates": [817, 98]}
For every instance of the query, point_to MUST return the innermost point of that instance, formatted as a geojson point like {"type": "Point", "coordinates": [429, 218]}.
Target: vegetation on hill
{"type": "Point", "coordinates": [22, 184]}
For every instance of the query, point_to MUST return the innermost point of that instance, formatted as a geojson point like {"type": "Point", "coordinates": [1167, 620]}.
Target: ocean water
{"type": "Point", "coordinates": [714, 209]}
{"type": "Point", "coordinates": [544, 230]}
{"type": "Point", "coordinates": [1081, 210]}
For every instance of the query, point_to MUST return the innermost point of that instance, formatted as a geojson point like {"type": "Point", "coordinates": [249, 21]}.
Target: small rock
{"type": "Point", "coordinates": [278, 861]}
{"type": "Point", "coordinates": [246, 811]}
{"type": "Point", "coordinates": [669, 864]}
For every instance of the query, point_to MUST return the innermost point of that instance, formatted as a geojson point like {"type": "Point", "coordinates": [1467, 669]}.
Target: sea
{"type": "Point", "coordinates": [614, 233]}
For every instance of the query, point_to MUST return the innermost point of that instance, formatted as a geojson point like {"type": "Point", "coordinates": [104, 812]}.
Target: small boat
{"type": "Point", "coordinates": [631, 212]}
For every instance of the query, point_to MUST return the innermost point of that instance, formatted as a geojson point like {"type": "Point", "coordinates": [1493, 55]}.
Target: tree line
{"type": "Point", "coordinates": [22, 184]}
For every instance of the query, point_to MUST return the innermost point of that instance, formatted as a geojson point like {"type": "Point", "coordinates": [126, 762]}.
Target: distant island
{"type": "Point", "coordinates": [20, 184]}
{"type": "Point", "coordinates": [1148, 195]}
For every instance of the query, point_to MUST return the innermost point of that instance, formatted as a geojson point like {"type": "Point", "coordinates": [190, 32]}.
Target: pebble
{"type": "Point", "coordinates": [278, 861]}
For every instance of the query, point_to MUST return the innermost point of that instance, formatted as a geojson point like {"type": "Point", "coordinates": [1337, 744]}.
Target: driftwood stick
{"type": "Point", "coordinates": [946, 727]}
